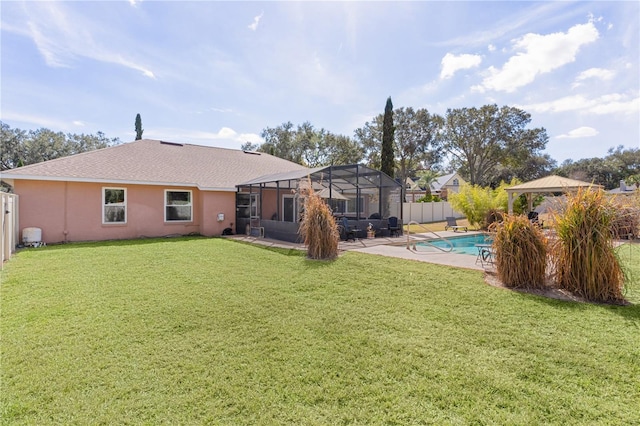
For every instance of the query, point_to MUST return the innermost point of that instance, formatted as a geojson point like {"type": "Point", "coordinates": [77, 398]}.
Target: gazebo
{"type": "Point", "coordinates": [545, 185]}
{"type": "Point", "coordinates": [272, 206]}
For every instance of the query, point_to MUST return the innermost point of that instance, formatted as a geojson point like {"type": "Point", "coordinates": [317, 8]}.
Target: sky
{"type": "Point", "coordinates": [217, 73]}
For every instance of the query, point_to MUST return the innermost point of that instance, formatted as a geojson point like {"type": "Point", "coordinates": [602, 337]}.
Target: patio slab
{"type": "Point", "coordinates": [387, 246]}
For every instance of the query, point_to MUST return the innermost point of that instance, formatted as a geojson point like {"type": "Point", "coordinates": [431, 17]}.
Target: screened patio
{"type": "Point", "coordinates": [271, 206]}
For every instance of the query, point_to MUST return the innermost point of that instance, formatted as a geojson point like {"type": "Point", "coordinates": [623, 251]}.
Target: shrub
{"type": "Point", "coordinates": [583, 256]}
{"type": "Point", "coordinates": [494, 216]}
{"type": "Point", "coordinates": [473, 201]}
{"type": "Point", "coordinates": [626, 222]}
{"type": "Point", "coordinates": [428, 198]}
{"type": "Point", "coordinates": [478, 204]}
{"type": "Point", "coordinates": [318, 227]}
{"type": "Point", "coordinates": [521, 253]}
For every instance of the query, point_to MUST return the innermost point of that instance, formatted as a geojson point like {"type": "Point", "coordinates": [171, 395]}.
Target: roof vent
{"type": "Point", "coordinates": [171, 143]}
{"type": "Point", "coordinates": [251, 152]}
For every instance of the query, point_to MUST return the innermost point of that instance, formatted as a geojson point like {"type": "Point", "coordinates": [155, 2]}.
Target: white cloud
{"type": "Point", "coordinates": [491, 48]}
{"type": "Point", "coordinates": [61, 36]}
{"type": "Point", "coordinates": [135, 3]}
{"type": "Point", "coordinates": [538, 54]}
{"type": "Point", "coordinates": [580, 132]}
{"type": "Point", "coordinates": [226, 137]}
{"type": "Point", "coordinates": [79, 123]}
{"type": "Point", "coordinates": [597, 73]}
{"type": "Point", "coordinates": [614, 103]}
{"type": "Point", "coordinates": [452, 63]}
{"type": "Point", "coordinates": [38, 121]}
{"type": "Point", "coordinates": [256, 21]}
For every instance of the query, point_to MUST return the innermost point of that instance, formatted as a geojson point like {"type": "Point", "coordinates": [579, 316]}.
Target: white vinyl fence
{"type": "Point", "coordinates": [10, 226]}
{"type": "Point", "coordinates": [428, 212]}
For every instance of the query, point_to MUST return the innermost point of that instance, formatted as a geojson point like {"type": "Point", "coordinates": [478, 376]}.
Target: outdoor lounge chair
{"type": "Point", "coordinates": [394, 228]}
{"type": "Point", "coordinates": [451, 223]}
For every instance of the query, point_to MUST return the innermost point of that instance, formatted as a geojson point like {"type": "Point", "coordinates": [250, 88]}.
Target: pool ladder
{"type": "Point", "coordinates": [411, 242]}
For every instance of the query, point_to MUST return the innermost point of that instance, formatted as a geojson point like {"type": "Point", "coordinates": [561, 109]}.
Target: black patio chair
{"type": "Point", "coordinates": [534, 218]}
{"type": "Point", "coordinates": [346, 231]}
{"type": "Point", "coordinates": [394, 228]}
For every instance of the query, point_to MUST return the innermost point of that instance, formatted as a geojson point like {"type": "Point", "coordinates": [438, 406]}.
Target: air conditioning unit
{"type": "Point", "coordinates": [32, 237]}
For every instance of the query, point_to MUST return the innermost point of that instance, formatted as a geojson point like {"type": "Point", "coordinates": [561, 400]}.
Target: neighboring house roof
{"type": "Point", "coordinates": [412, 185]}
{"type": "Point", "coordinates": [156, 162]}
{"type": "Point", "coordinates": [442, 181]}
{"type": "Point", "coordinates": [624, 189]}
{"type": "Point", "coordinates": [627, 191]}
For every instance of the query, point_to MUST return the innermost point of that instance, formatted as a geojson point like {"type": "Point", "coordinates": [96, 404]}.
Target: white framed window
{"type": "Point", "coordinates": [177, 206]}
{"type": "Point", "coordinates": [288, 208]}
{"type": "Point", "coordinates": [456, 182]}
{"type": "Point", "coordinates": [350, 207]}
{"type": "Point", "coordinates": [114, 205]}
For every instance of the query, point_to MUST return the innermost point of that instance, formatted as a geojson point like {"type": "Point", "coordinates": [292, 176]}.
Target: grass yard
{"type": "Point", "coordinates": [211, 331]}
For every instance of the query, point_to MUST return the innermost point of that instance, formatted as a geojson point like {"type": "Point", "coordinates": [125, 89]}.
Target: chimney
{"type": "Point", "coordinates": [623, 186]}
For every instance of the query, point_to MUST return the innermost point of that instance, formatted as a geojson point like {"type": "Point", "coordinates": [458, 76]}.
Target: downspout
{"type": "Point", "coordinates": [65, 231]}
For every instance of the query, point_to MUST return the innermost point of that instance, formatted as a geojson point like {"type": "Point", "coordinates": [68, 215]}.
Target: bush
{"type": "Point", "coordinates": [478, 204]}
{"type": "Point", "coordinates": [474, 202]}
{"type": "Point", "coordinates": [494, 216]}
{"type": "Point", "coordinates": [521, 253]}
{"type": "Point", "coordinates": [584, 259]}
{"type": "Point", "coordinates": [626, 222]}
{"type": "Point", "coordinates": [428, 198]}
{"type": "Point", "coordinates": [318, 227]}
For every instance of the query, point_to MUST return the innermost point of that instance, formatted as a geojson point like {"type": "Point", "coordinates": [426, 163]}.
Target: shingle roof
{"type": "Point", "coordinates": [155, 162]}
{"type": "Point", "coordinates": [440, 181]}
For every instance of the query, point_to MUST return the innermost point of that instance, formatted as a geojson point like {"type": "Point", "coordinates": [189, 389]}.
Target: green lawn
{"type": "Point", "coordinates": [211, 331]}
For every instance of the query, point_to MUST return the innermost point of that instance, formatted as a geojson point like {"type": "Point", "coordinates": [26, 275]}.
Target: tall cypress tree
{"type": "Point", "coordinates": [139, 129]}
{"type": "Point", "coordinates": [387, 155]}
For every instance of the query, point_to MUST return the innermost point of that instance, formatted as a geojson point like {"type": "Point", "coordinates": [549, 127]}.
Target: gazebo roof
{"type": "Point", "coordinates": [551, 183]}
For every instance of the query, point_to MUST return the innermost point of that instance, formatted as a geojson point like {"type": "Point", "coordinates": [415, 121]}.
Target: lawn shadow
{"type": "Point", "coordinates": [629, 311]}
{"type": "Point", "coordinates": [117, 243]}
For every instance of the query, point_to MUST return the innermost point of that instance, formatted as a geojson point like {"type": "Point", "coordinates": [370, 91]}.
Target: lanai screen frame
{"type": "Point", "coordinates": [352, 181]}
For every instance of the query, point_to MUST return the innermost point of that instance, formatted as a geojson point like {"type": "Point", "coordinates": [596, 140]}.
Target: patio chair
{"type": "Point", "coordinates": [394, 228]}
{"type": "Point", "coordinates": [451, 223]}
{"type": "Point", "coordinates": [346, 231]}
{"type": "Point", "coordinates": [534, 218]}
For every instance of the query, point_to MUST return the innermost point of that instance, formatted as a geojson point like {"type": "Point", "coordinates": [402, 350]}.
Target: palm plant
{"type": "Point", "coordinates": [584, 258]}
{"type": "Point", "coordinates": [521, 252]}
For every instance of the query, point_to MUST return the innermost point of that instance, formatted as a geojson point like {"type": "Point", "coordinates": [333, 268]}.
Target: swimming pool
{"type": "Point", "coordinates": [462, 245]}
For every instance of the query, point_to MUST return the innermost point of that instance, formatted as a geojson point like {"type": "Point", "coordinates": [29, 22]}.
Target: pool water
{"type": "Point", "coordinates": [462, 245]}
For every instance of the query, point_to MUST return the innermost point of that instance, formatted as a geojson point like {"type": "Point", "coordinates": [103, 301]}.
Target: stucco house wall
{"type": "Point", "coordinates": [74, 211]}
{"type": "Point", "coordinates": [64, 197]}
{"type": "Point", "coordinates": [212, 204]}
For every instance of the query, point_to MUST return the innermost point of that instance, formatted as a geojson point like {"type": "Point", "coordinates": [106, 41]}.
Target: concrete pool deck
{"type": "Point", "coordinates": [390, 247]}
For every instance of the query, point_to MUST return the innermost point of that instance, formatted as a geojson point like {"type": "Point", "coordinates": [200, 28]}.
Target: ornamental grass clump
{"type": "Point", "coordinates": [521, 253]}
{"type": "Point", "coordinates": [318, 228]}
{"type": "Point", "coordinates": [584, 258]}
